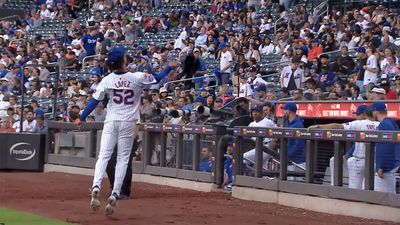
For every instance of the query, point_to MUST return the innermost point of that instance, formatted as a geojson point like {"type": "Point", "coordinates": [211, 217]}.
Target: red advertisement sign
{"type": "Point", "coordinates": [331, 110]}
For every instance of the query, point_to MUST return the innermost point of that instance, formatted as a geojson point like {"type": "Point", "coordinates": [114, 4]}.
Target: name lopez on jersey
{"type": "Point", "coordinates": [123, 83]}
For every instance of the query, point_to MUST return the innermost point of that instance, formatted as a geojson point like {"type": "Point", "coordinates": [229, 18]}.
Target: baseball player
{"type": "Point", "coordinates": [295, 147]}
{"type": "Point", "coordinates": [387, 157]}
{"type": "Point", "coordinates": [356, 163]}
{"type": "Point", "coordinates": [124, 89]}
{"type": "Point", "coordinates": [259, 121]}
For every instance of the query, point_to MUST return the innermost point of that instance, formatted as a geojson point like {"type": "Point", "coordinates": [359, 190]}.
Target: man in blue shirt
{"type": "Point", "coordinates": [206, 162]}
{"type": "Point", "coordinates": [387, 155]}
{"type": "Point", "coordinates": [3, 70]}
{"type": "Point", "coordinates": [88, 42]}
{"type": "Point", "coordinates": [296, 147]}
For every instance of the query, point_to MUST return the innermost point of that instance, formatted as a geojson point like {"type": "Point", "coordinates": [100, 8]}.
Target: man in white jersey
{"type": "Point", "coordinates": [356, 163]}
{"type": "Point", "coordinates": [124, 90]}
{"type": "Point", "coordinates": [259, 121]}
{"type": "Point", "coordinates": [371, 68]}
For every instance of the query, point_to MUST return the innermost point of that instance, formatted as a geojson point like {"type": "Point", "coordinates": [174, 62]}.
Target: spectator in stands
{"type": "Point", "coordinates": [206, 163]}
{"type": "Point", "coordinates": [41, 124]}
{"type": "Point", "coordinates": [44, 12]}
{"type": "Point", "coordinates": [292, 76]}
{"type": "Point", "coordinates": [397, 82]}
{"type": "Point", "coordinates": [226, 63]}
{"type": "Point", "coordinates": [344, 63]}
{"type": "Point", "coordinates": [389, 66]}
{"type": "Point", "coordinates": [202, 69]}
{"type": "Point", "coordinates": [298, 95]}
{"type": "Point", "coordinates": [35, 107]}
{"type": "Point", "coordinates": [355, 94]}
{"type": "Point", "coordinates": [315, 50]}
{"type": "Point", "coordinates": [88, 42]}
{"type": "Point", "coordinates": [371, 68]}
{"type": "Point", "coordinates": [255, 79]}
{"type": "Point", "coordinates": [390, 94]}
{"type": "Point", "coordinates": [362, 62]}
{"type": "Point", "coordinates": [261, 97]}
{"type": "Point", "coordinates": [6, 125]}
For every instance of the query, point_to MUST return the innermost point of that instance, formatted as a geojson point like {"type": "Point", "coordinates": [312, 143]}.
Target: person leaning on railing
{"type": "Point", "coordinates": [295, 147]}
{"type": "Point", "coordinates": [387, 159]}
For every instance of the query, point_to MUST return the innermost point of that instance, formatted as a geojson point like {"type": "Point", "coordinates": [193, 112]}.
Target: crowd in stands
{"type": "Point", "coordinates": [226, 45]}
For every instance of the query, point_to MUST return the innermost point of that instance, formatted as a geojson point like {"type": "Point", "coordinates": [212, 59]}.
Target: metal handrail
{"type": "Point", "coordinates": [271, 75]}
{"type": "Point", "coordinates": [319, 7]}
{"type": "Point", "coordinates": [194, 78]}
{"type": "Point", "coordinates": [336, 51]}
{"type": "Point", "coordinates": [86, 58]}
{"type": "Point", "coordinates": [16, 40]}
{"type": "Point", "coordinates": [10, 17]}
{"type": "Point", "coordinates": [278, 63]}
{"type": "Point", "coordinates": [276, 23]}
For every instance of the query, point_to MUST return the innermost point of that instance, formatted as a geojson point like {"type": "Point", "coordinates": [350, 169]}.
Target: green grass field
{"type": "Point", "coordinates": [12, 217]}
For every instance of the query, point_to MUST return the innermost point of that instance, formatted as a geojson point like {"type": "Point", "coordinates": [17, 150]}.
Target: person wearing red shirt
{"type": "Point", "coordinates": [315, 50]}
{"type": "Point", "coordinates": [390, 94]}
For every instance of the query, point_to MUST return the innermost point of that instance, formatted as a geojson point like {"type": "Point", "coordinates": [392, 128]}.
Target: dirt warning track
{"type": "Point", "coordinates": [66, 197]}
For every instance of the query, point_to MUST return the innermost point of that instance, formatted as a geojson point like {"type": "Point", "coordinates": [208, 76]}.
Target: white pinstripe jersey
{"type": "Point", "coordinates": [361, 125]}
{"type": "Point", "coordinates": [125, 93]}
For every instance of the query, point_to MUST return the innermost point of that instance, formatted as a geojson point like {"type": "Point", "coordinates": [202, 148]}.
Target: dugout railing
{"type": "Point", "coordinates": [67, 145]}
{"type": "Point", "coordinates": [186, 142]}
{"type": "Point", "coordinates": [261, 179]}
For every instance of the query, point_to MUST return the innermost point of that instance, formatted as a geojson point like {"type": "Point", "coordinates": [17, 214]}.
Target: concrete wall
{"type": "Point", "coordinates": [318, 204]}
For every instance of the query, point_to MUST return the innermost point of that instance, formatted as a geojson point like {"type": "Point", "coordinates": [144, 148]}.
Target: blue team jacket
{"type": "Point", "coordinates": [387, 156]}
{"type": "Point", "coordinates": [296, 147]}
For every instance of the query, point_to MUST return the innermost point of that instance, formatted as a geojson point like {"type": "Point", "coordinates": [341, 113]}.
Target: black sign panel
{"type": "Point", "coordinates": [22, 151]}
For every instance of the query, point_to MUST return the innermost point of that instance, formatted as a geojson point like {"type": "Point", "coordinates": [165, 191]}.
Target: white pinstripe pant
{"type": "Point", "coordinates": [387, 183]}
{"type": "Point", "coordinates": [114, 132]}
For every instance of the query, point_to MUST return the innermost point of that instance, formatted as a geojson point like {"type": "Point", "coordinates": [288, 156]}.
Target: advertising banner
{"type": "Point", "coordinates": [22, 151]}
{"type": "Point", "coordinates": [334, 110]}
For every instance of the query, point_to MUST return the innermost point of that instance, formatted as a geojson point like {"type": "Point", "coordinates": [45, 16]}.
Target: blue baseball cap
{"type": "Point", "coordinates": [116, 54]}
{"type": "Point", "coordinates": [258, 108]}
{"type": "Point", "coordinates": [200, 99]}
{"type": "Point", "coordinates": [379, 107]}
{"type": "Point", "coordinates": [360, 110]}
{"type": "Point", "coordinates": [290, 106]}
{"type": "Point", "coordinates": [361, 49]}
{"type": "Point", "coordinates": [261, 87]}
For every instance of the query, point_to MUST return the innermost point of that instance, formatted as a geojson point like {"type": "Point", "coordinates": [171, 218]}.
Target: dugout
{"type": "Point", "coordinates": [323, 112]}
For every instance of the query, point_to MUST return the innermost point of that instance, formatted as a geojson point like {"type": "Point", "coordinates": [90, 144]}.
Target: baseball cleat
{"type": "Point", "coordinates": [112, 202]}
{"type": "Point", "coordinates": [95, 202]}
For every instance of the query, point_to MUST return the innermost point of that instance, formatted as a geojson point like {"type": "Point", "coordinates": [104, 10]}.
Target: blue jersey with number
{"type": "Point", "coordinates": [124, 90]}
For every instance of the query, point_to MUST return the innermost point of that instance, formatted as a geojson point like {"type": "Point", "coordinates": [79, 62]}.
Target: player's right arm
{"type": "Point", "coordinates": [327, 126]}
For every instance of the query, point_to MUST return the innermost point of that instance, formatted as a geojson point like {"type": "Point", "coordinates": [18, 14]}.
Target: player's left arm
{"type": "Point", "coordinates": [98, 96]}
{"type": "Point", "coordinates": [165, 71]}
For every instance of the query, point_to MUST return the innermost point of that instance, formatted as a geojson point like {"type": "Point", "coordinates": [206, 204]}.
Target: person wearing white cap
{"type": "Point", "coordinates": [163, 93]}
{"type": "Point", "coordinates": [377, 93]}
{"type": "Point", "coordinates": [5, 85]}
{"type": "Point", "coordinates": [82, 99]}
